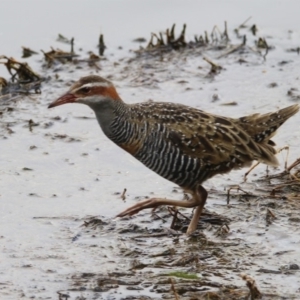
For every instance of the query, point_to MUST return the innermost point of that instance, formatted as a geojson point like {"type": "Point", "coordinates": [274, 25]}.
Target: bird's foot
{"type": "Point", "coordinates": [134, 209]}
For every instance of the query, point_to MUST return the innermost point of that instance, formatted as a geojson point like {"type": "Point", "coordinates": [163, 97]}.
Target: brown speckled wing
{"type": "Point", "coordinates": [219, 141]}
{"type": "Point", "coordinates": [213, 139]}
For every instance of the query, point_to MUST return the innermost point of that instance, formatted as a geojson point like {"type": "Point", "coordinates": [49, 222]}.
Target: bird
{"type": "Point", "coordinates": [182, 144]}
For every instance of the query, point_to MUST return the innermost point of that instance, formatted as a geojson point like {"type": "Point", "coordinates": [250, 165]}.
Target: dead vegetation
{"type": "Point", "coordinates": [218, 40]}
{"type": "Point", "coordinates": [162, 46]}
{"type": "Point", "coordinates": [23, 81]}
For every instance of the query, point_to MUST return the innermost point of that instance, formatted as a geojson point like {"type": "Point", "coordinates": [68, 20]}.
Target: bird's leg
{"type": "Point", "coordinates": [198, 199]}
{"type": "Point", "coordinates": [200, 196]}
{"type": "Point", "coordinates": [155, 202]}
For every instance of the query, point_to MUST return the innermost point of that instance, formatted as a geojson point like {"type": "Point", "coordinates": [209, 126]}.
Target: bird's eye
{"type": "Point", "coordinates": [85, 90]}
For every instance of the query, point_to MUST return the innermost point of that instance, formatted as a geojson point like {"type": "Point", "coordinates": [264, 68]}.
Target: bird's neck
{"type": "Point", "coordinates": [111, 116]}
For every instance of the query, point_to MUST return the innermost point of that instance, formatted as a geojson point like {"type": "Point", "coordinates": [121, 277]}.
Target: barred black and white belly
{"type": "Point", "coordinates": [168, 161]}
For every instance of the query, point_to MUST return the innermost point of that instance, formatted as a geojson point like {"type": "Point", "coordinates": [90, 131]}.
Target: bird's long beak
{"type": "Point", "coordinates": [66, 98]}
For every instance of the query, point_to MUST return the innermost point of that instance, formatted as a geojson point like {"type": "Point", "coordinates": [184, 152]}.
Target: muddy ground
{"type": "Point", "coordinates": [62, 180]}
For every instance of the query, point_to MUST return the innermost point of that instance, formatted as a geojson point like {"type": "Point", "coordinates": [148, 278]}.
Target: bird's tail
{"type": "Point", "coordinates": [262, 127]}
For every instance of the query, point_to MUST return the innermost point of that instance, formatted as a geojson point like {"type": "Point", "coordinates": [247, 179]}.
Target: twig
{"type": "Point", "coordinates": [222, 230]}
{"type": "Point", "coordinates": [173, 289]}
{"type": "Point", "coordinates": [250, 170]}
{"type": "Point", "coordinates": [285, 164]}
{"type": "Point", "coordinates": [233, 188]}
{"type": "Point", "coordinates": [287, 148]}
{"type": "Point", "coordinates": [101, 45]}
{"type": "Point", "coordinates": [270, 216]}
{"type": "Point", "coordinates": [158, 216]}
{"type": "Point", "coordinates": [174, 217]}
{"type": "Point", "coordinates": [226, 32]}
{"type": "Point", "coordinates": [235, 48]}
{"type": "Point", "coordinates": [123, 197]}
{"type": "Point", "coordinates": [214, 67]}
{"type": "Point", "coordinates": [272, 193]}
{"type": "Point", "coordinates": [251, 284]}
{"type": "Point", "coordinates": [178, 212]}
{"type": "Point", "coordinates": [293, 165]}
{"type": "Point", "coordinates": [243, 24]}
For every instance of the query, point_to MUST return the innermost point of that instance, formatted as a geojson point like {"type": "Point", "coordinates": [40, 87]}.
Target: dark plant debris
{"type": "Point", "coordinates": [23, 81]}
{"type": "Point", "coordinates": [101, 45]}
{"type": "Point", "coordinates": [61, 38]}
{"type": "Point", "coordinates": [294, 94]}
{"type": "Point", "coordinates": [54, 56]}
{"type": "Point", "coordinates": [20, 72]}
{"type": "Point", "coordinates": [164, 42]}
{"type": "Point", "coordinates": [251, 284]}
{"type": "Point", "coordinates": [27, 52]}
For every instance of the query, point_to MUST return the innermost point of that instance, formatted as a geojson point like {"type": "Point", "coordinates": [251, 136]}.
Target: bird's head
{"type": "Point", "coordinates": [90, 90]}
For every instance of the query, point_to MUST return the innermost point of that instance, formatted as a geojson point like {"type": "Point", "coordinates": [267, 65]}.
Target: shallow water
{"type": "Point", "coordinates": [49, 190]}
